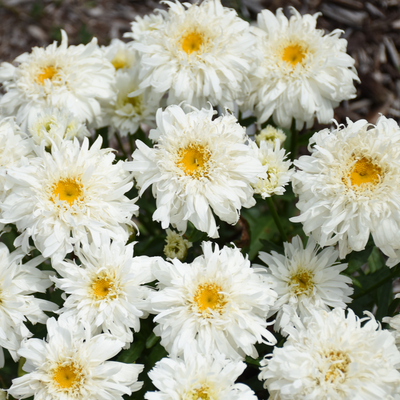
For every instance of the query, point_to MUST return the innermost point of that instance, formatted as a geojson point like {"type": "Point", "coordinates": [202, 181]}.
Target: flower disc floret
{"type": "Point", "coordinates": [348, 187]}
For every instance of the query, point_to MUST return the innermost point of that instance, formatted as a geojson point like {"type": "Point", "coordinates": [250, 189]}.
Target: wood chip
{"type": "Point", "coordinates": [393, 53]}
{"type": "Point", "coordinates": [348, 17]}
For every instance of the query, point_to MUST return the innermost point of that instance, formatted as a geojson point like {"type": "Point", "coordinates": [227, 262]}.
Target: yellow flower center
{"type": "Point", "coordinates": [192, 42]}
{"type": "Point", "coordinates": [68, 376]}
{"type": "Point", "coordinates": [365, 173]}
{"type": "Point", "coordinates": [208, 297]}
{"type": "Point", "coordinates": [201, 393]}
{"type": "Point", "coordinates": [46, 73]}
{"type": "Point", "coordinates": [193, 160]}
{"type": "Point", "coordinates": [302, 282]}
{"type": "Point", "coordinates": [136, 103]}
{"type": "Point", "coordinates": [119, 61]}
{"type": "Point", "coordinates": [339, 367]}
{"type": "Point", "coordinates": [103, 287]}
{"type": "Point", "coordinates": [69, 190]}
{"type": "Point", "coordinates": [294, 54]}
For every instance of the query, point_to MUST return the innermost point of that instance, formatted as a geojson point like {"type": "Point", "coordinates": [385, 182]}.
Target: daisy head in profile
{"type": "Point", "coordinates": [72, 364]}
{"type": "Point", "coordinates": [74, 77]}
{"type": "Point", "coordinates": [198, 53]}
{"type": "Point", "coordinates": [207, 302]}
{"type": "Point", "coordinates": [348, 187]}
{"type": "Point", "coordinates": [198, 166]}
{"type": "Point", "coordinates": [302, 73]}
{"type": "Point", "coordinates": [279, 173]}
{"type": "Point", "coordinates": [54, 125]}
{"type": "Point", "coordinates": [305, 280]}
{"type": "Point", "coordinates": [68, 198]}
{"type": "Point", "coordinates": [333, 356]}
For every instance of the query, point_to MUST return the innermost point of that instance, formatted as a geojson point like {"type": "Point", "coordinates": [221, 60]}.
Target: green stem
{"type": "Point", "coordinates": [121, 146]}
{"type": "Point", "coordinates": [377, 285]}
{"type": "Point", "coordinates": [294, 139]}
{"type": "Point", "coordinates": [130, 136]}
{"type": "Point", "coordinates": [276, 218]}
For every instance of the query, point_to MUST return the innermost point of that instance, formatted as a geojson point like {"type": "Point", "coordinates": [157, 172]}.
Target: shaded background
{"type": "Point", "coordinates": [372, 29]}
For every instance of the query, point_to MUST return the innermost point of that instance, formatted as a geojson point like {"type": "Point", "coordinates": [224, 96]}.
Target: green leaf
{"type": "Point", "coordinates": [357, 259]}
{"type": "Point", "coordinates": [261, 227]}
{"type": "Point", "coordinates": [269, 246]}
{"type": "Point", "coordinates": [152, 340]}
{"type": "Point", "coordinates": [130, 355]}
{"type": "Point", "coordinates": [375, 260]}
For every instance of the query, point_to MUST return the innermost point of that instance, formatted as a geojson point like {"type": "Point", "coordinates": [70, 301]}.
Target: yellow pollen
{"type": "Point", "coordinates": [365, 173]}
{"type": "Point", "coordinates": [193, 161]}
{"type": "Point", "coordinates": [302, 282]}
{"type": "Point", "coordinates": [339, 367]}
{"type": "Point", "coordinates": [201, 393]}
{"type": "Point", "coordinates": [208, 297]}
{"type": "Point", "coordinates": [46, 73]}
{"type": "Point", "coordinates": [67, 376]}
{"type": "Point", "coordinates": [293, 54]}
{"type": "Point", "coordinates": [68, 190]}
{"type": "Point", "coordinates": [103, 287]}
{"type": "Point", "coordinates": [192, 42]}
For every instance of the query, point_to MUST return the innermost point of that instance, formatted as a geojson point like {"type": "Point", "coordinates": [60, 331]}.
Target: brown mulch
{"type": "Point", "coordinates": [372, 29]}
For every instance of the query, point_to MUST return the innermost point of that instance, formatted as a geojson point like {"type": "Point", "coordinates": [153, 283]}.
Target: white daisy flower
{"type": "Point", "coordinates": [143, 25]}
{"type": "Point", "coordinates": [278, 173]}
{"type": "Point", "coordinates": [120, 55]}
{"type": "Point", "coordinates": [73, 365]}
{"type": "Point", "coordinates": [133, 106]}
{"type": "Point", "coordinates": [15, 145]}
{"type": "Point", "coordinates": [349, 188]}
{"type": "Point", "coordinates": [176, 245]}
{"type": "Point", "coordinates": [54, 126]}
{"type": "Point", "coordinates": [107, 290]}
{"type": "Point", "coordinates": [198, 165]}
{"type": "Point", "coordinates": [218, 302]}
{"type": "Point", "coordinates": [303, 73]}
{"type": "Point", "coordinates": [200, 53]}
{"type": "Point", "coordinates": [306, 280]}
{"type": "Point", "coordinates": [270, 134]}
{"type": "Point", "coordinates": [68, 198]}
{"type": "Point", "coordinates": [199, 377]}
{"type": "Point", "coordinates": [334, 357]}
{"type": "Point", "coordinates": [17, 284]}
{"type": "Point", "coordinates": [71, 77]}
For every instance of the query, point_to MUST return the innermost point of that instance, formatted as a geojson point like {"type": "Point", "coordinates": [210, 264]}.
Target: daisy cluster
{"type": "Point", "coordinates": [132, 271]}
